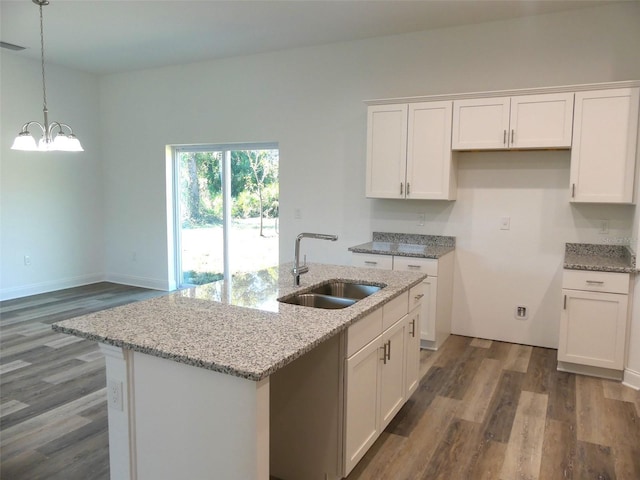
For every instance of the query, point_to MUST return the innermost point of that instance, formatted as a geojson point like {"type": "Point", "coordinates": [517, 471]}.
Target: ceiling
{"type": "Point", "coordinates": [107, 36]}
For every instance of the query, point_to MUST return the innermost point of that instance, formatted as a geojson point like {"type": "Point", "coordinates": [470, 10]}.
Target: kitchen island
{"type": "Point", "coordinates": [188, 374]}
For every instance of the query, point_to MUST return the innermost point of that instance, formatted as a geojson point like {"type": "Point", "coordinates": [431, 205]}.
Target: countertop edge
{"type": "Point", "coordinates": [253, 375]}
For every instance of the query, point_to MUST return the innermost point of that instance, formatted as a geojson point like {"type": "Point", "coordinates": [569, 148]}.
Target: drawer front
{"type": "Point", "coordinates": [363, 331]}
{"type": "Point", "coordinates": [413, 264]}
{"type": "Point", "coordinates": [395, 310]}
{"type": "Point", "coordinates": [610, 282]}
{"type": "Point", "coordinates": [368, 260]}
{"type": "Point", "coordinates": [416, 296]}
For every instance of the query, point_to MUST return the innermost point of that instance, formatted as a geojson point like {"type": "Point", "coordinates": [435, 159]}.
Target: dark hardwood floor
{"type": "Point", "coordinates": [484, 409]}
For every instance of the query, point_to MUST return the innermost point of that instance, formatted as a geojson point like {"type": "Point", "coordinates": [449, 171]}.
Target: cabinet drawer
{"type": "Point", "coordinates": [395, 310]}
{"type": "Point", "coordinates": [413, 264]}
{"type": "Point", "coordinates": [596, 281]}
{"type": "Point", "coordinates": [363, 331]}
{"type": "Point", "coordinates": [368, 260]}
{"type": "Point", "coordinates": [416, 295]}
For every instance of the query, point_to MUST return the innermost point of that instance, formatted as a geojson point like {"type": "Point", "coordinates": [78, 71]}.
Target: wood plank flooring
{"type": "Point", "coordinates": [483, 410]}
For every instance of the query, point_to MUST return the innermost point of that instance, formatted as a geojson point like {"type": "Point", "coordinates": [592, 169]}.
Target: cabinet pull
{"type": "Point", "coordinates": [370, 262]}
{"type": "Point", "coordinates": [388, 350]}
{"type": "Point", "coordinates": [400, 188]}
{"type": "Point", "coordinates": [512, 133]}
{"type": "Point", "coordinates": [504, 137]}
{"type": "Point", "coordinates": [413, 328]}
{"type": "Point", "coordinates": [573, 190]}
{"type": "Point", "coordinates": [413, 266]}
{"type": "Point", "coordinates": [595, 282]}
{"type": "Point", "coordinates": [418, 297]}
{"type": "Point", "coordinates": [565, 303]}
{"type": "Point", "coordinates": [408, 188]}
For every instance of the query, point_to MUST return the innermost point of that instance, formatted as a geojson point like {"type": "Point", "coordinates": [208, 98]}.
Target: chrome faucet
{"type": "Point", "coordinates": [300, 269]}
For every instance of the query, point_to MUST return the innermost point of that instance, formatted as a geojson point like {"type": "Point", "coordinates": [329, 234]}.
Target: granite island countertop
{"type": "Point", "coordinates": [238, 327]}
{"type": "Point", "coordinates": [599, 258]}
{"type": "Point", "coordinates": [407, 245]}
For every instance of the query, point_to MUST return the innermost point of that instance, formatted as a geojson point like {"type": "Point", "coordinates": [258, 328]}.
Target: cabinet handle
{"type": "Point", "coordinates": [408, 188]}
{"type": "Point", "coordinates": [400, 188]}
{"type": "Point", "coordinates": [370, 262]}
{"type": "Point", "coordinates": [512, 133]}
{"type": "Point", "coordinates": [413, 328]}
{"type": "Point", "coordinates": [384, 353]}
{"type": "Point", "coordinates": [388, 350]}
{"type": "Point", "coordinates": [413, 266]}
{"type": "Point", "coordinates": [418, 297]}
{"type": "Point", "coordinates": [565, 303]}
{"type": "Point", "coordinates": [595, 282]}
{"type": "Point", "coordinates": [504, 137]}
{"type": "Point", "coordinates": [573, 190]}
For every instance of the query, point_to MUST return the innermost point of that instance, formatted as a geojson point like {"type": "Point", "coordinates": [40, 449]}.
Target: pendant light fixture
{"type": "Point", "coordinates": [54, 137]}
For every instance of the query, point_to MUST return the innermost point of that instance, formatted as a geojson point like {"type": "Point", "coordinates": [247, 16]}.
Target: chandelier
{"type": "Point", "coordinates": [55, 135]}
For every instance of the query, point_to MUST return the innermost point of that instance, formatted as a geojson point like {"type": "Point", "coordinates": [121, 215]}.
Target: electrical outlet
{"type": "Point", "coordinates": [27, 260]}
{"type": "Point", "coordinates": [114, 395]}
{"type": "Point", "coordinates": [505, 223]}
{"type": "Point", "coordinates": [297, 213]}
{"type": "Point", "coordinates": [421, 218]}
{"type": "Point", "coordinates": [521, 312]}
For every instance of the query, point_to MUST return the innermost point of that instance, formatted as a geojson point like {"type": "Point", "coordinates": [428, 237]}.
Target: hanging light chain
{"type": "Point", "coordinates": [44, 85]}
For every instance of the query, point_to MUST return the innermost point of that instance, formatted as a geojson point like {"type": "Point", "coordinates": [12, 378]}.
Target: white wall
{"type": "Point", "coordinates": [51, 204]}
{"type": "Point", "coordinates": [310, 101]}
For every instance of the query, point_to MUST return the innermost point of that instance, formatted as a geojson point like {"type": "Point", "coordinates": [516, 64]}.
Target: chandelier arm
{"type": "Point", "coordinates": [25, 127]}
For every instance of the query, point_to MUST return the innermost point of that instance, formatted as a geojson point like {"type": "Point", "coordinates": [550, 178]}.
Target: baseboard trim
{"type": "Point", "coordinates": [589, 370]}
{"type": "Point", "coordinates": [49, 286]}
{"type": "Point", "coordinates": [631, 379]}
{"type": "Point", "coordinates": [144, 282]}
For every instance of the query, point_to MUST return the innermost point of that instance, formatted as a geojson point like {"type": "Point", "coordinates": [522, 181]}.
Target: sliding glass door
{"type": "Point", "coordinates": [226, 199]}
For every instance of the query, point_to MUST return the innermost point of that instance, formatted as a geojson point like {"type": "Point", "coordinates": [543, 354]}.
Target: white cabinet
{"type": "Point", "coordinates": [381, 370]}
{"type": "Point", "coordinates": [362, 412]}
{"type": "Point", "coordinates": [435, 314]}
{"type": "Point", "coordinates": [368, 260]}
{"type": "Point", "coordinates": [603, 156]}
{"type": "Point", "coordinates": [412, 350]}
{"type": "Point", "coordinates": [526, 121]}
{"type": "Point", "coordinates": [593, 322]}
{"type": "Point", "coordinates": [409, 151]}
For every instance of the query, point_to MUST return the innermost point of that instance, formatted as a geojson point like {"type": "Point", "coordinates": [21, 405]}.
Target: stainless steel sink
{"type": "Point", "coordinates": [332, 295]}
{"type": "Point", "coordinates": [356, 291]}
{"type": "Point", "coordinates": [318, 301]}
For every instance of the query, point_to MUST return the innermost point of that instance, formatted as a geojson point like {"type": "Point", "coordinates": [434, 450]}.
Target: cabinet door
{"type": "Point", "coordinates": [412, 355]}
{"type": "Point", "coordinates": [603, 154]}
{"type": "Point", "coordinates": [428, 309]}
{"type": "Point", "coordinates": [386, 151]}
{"type": "Point", "coordinates": [362, 420]}
{"type": "Point", "coordinates": [368, 260]}
{"type": "Point", "coordinates": [593, 329]}
{"type": "Point", "coordinates": [392, 388]}
{"type": "Point", "coordinates": [430, 172]}
{"type": "Point", "coordinates": [480, 123]}
{"type": "Point", "coordinates": [541, 121]}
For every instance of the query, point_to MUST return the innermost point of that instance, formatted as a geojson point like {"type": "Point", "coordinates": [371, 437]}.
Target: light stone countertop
{"type": "Point", "coordinates": [599, 258]}
{"type": "Point", "coordinates": [407, 245]}
{"type": "Point", "coordinates": [238, 327]}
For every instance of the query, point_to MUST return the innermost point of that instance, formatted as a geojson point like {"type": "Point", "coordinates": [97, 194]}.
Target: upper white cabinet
{"type": "Point", "coordinates": [409, 151]}
{"type": "Point", "coordinates": [603, 155]}
{"type": "Point", "coordinates": [526, 121]}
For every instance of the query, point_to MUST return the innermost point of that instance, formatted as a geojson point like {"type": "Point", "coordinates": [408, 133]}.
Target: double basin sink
{"type": "Point", "coordinates": [332, 295]}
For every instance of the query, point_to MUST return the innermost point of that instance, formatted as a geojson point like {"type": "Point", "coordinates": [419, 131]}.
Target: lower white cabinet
{"type": "Point", "coordinates": [593, 322]}
{"type": "Point", "coordinates": [381, 376]}
{"type": "Point", "coordinates": [328, 407]}
{"type": "Point", "coordinates": [437, 303]}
